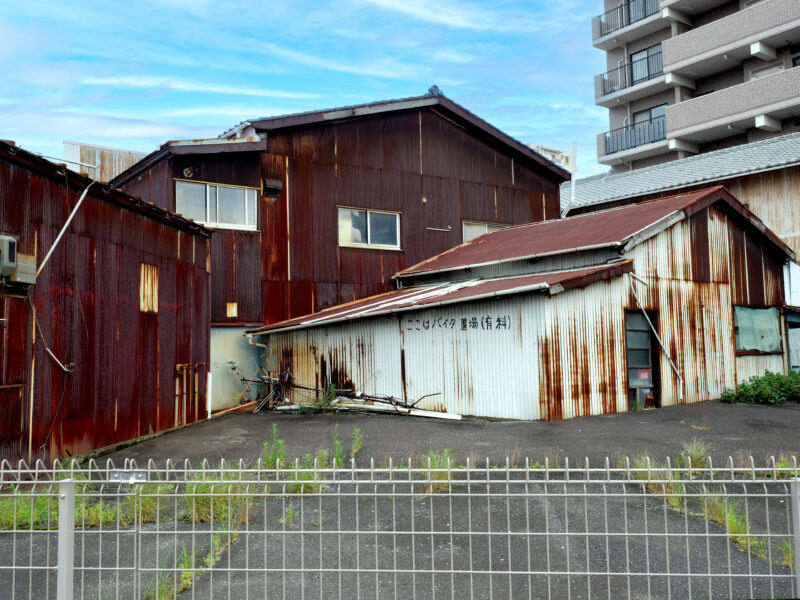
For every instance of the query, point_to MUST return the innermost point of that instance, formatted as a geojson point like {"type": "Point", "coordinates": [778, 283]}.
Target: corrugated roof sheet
{"type": "Point", "coordinates": [772, 153]}
{"type": "Point", "coordinates": [382, 106]}
{"type": "Point", "coordinates": [448, 293]}
{"type": "Point", "coordinates": [606, 228]}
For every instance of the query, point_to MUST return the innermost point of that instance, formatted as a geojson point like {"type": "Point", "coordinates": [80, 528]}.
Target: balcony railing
{"type": "Point", "coordinates": [632, 73]}
{"type": "Point", "coordinates": [627, 13]}
{"type": "Point", "coordinates": [635, 135]}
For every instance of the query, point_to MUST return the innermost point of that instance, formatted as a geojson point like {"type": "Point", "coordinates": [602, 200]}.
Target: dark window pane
{"type": "Point", "coordinates": [638, 339]}
{"type": "Point", "coordinates": [636, 320]}
{"type": "Point", "coordinates": [231, 206]}
{"type": "Point", "coordinates": [638, 358]}
{"type": "Point", "coordinates": [190, 200]}
{"type": "Point", "coordinates": [352, 226]}
{"type": "Point", "coordinates": [383, 229]}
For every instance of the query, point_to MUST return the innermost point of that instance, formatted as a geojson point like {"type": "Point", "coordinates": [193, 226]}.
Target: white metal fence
{"type": "Point", "coordinates": [516, 531]}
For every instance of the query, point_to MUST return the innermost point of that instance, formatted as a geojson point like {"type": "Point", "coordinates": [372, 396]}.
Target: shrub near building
{"type": "Point", "coordinates": [770, 388]}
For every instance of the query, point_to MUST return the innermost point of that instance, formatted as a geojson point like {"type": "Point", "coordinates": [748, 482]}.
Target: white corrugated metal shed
{"type": "Point", "coordinates": [563, 342]}
{"type": "Point", "coordinates": [773, 153]}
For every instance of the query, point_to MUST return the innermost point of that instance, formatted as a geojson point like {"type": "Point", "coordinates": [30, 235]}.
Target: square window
{"type": "Point", "coordinates": [369, 228]}
{"type": "Point", "coordinates": [383, 229]}
{"type": "Point", "coordinates": [757, 330]}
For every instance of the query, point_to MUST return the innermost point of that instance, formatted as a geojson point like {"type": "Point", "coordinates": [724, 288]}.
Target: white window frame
{"type": "Point", "coordinates": [216, 224]}
{"type": "Point", "coordinates": [497, 226]}
{"type": "Point", "coordinates": [369, 244]}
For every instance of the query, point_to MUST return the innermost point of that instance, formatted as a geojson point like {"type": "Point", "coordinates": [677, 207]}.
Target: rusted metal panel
{"type": "Point", "coordinates": [595, 229]}
{"type": "Point", "coordinates": [406, 298]}
{"type": "Point", "coordinates": [755, 272]}
{"type": "Point", "coordinates": [86, 304]}
{"type": "Point", "coordinates": [701, 259]}
{"type": "Point", "coordinates": [416, 162]}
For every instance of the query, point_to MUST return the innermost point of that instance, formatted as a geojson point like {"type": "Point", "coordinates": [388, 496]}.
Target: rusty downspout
{"type": "Point", "coordinates": [655, 333]}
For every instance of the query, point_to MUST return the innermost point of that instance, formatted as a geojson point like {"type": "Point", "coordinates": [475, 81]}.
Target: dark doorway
{"type": "Point", "coordinates": [644, 385]}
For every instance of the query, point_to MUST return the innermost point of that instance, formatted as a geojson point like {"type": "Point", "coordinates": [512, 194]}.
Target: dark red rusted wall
{"type": "Point", "coordinates": [386, 162]}
{"type": "Point", "coordinates": [86, 303]}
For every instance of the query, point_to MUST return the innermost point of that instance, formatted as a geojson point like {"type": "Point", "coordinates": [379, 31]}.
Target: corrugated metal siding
{"type": "Point", "coordinates": [748, 366]}
{"type": "Point", "coordinates": [417, 163]}
{"type": "Point", "coordinates": [87, 304]}
{"type": "Point", "coordinates": [564, 355]}
{"type": "Point", "coordinates": [582, 362]}
{"type": "Point", "coordinates": [110, 162]}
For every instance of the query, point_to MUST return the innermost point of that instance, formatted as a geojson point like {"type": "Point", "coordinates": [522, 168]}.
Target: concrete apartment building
{"type": "Point", "coordinates": [691, 76]}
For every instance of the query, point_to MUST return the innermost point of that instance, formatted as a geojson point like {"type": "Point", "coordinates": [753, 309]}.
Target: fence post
{"type": "Point", "coordinates": [795, 487]}
{"type": "Point", "coordinates": [66, 539]}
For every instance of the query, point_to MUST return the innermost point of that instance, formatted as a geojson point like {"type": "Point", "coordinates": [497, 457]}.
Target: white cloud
{"type": "Point", "coordinates": [389, 69]}
{"type": "Point", "coordinates": [140, 81]}
{"type": "Point", "coordinates": [460, 15]}
{"type": "Point", "coordinates": [240, 112]}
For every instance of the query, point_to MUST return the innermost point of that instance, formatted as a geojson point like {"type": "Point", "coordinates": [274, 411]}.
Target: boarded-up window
{"type": "Point", "coordinates": [148, 289]}
{"type": "Point", "coordinates": [757, 329]}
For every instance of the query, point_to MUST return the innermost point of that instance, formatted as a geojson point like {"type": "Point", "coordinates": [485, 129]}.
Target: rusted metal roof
{"type": "Point", "coordinates": [13, 153]}
{"type": "Point", "coordinates": [617, 227]}
{"type": "Point", "coordinates": [438, 102]}
{"type": "Point", "coordinates": [181, 147]}
{"type": "Point", "coordinates": [449, 293]}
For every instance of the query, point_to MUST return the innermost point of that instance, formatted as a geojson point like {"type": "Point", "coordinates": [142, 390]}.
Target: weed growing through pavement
{"type": "Point", "coordinates": [274, 453]}
{"type": "Point", "coordinates": [788, 554]}
{"type": "Point", "coordinates": [338, 448]}
{"type": "Point", "coordinates": [289, 518]}
{"type": "Point", "coordinates": [695, 454]}
{"type": "Point", "coordinates": [438, 464]}
{"type": "Point", "coordinates": [358, 441]}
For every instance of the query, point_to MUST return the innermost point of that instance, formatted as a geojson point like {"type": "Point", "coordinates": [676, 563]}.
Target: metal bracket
{"type": "Point", "coordinates": [129, 476]}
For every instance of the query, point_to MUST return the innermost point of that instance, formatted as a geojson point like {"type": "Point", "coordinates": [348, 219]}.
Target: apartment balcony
{"type": "Point", "coordinates": [633, 142]}
{"type": "Point", "coordinates": [630, 20]}
{"type": "Point", "coordinates": [760, 103]}
{"type": "Point", "coordinates": [630, 81]}
{"type": "Point", "coordinates": [691, 7]}
{"type": "Point", "coordinates": [722, 44]}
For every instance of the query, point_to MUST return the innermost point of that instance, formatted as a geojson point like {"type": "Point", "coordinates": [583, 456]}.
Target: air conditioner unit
{"type": "Point", "coordinates": [25, 271]}
{"type": "Point", "coordinates": [8, 255]}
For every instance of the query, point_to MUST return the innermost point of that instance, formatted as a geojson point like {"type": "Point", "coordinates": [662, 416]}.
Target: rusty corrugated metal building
{"type": "Point", "coordinates": [122, 303]}
{"type": "Point", "coordinates": [435, 169]}
{"type": "Point", "coordinates": [664, 302]}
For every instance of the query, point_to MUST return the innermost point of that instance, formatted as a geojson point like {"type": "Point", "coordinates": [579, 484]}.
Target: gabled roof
{"type": "Point", "coordinates": [612, 228]}
{"type": "Point", "coordinates": [441, 103]}
{"type": "Point", "coordinates": [710, 167]}
{"type": "Point", "coordinates": [10, 152]}
{"type": "Point", "coordinates": [448, 293]}
{"type": "Point", "coordinates": [178, 147]}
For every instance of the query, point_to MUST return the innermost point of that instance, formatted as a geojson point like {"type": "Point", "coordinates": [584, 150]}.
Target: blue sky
{"type": "Point", "coordinates": [133, 74]}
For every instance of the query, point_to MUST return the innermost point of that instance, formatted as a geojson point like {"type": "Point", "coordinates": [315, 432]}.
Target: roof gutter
{"type": "Point", "coordinates": [528, 288]}
{"type": "Point", "coordinates": [403, 274]}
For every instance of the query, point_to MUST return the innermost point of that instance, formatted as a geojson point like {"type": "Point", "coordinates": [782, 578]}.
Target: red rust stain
{"type": "Point", "coordinates": [87, 305]}
{"type": "Point", "coordinates": [550, 392]}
